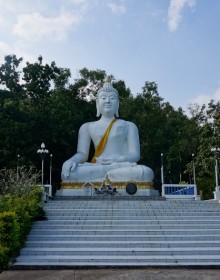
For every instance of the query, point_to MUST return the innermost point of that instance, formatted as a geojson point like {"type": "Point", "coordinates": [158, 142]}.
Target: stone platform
{"type": "Point", "coordinates": [124, 233]}
{"type": "Point", "coordinates": [98, 189]}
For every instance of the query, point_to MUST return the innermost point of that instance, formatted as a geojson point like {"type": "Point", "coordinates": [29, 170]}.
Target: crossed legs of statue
{"type": "Point", "coordinates": [116, 172]}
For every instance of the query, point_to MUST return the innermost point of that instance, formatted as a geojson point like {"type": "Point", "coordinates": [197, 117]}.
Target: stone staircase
{"type": "Point", "coordinates": [124, 233]}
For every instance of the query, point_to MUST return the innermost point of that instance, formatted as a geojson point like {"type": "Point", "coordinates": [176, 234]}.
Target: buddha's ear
{"type": "Point", "coordinates": [116, 113]}
{"type": "Point", "coordinates": [97, 108]}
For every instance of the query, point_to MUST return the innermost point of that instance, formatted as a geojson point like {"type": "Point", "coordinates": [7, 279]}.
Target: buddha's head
{"type": "Point", "coordinates": [107, 102]}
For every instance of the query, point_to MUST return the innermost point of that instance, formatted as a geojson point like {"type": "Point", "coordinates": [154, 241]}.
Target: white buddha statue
{"type": "Point", "coordinates": [117, 147]}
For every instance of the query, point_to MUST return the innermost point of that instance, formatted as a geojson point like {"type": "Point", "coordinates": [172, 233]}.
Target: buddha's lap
{"type": "Point", "coordinates": [115, 172]}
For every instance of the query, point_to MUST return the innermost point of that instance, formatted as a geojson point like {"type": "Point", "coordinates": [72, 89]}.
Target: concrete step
{"type": "Point", "coordinates": [57, 211]}
{"type": "Point", "coordinates": [130, 210]}
{"type": "Point", "coordinates": [123, 244]}
{"type": "Point", "coordinates": [110, 226]}
{"type": "Point", "coordinates": [115, 264]}
{"type": "Point", "coordinates": [94, 251]}
{"type": "Point", "coordinates": [130, 217]}
{"type": "Point", "coordinates": [133, 200]}
{"type": "Point", "coordinates": [130, 206]}
{"type": "Point", "coordinates": [122, 237]}
{"type": "Point", "coordinates": [124, 232]}
{"type": "Point", "coordinates": [133, 205]}
{"type": "Point", "coordinates": [151, 221]}
{"type": "Point", "coordinates": [119, 260]}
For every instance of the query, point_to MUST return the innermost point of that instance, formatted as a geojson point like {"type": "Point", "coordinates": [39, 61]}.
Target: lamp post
{"type": "Point", "coordinates": [51, 158]}
{"type": "Point", "coordinates": [162, 174]}
{"type": "Point", "coordinates": [169, 172]}
{"type": "Point", "coordinates": [180, 159]}
{"type": "Point", "coordinates": [193, 169]}
{"type": "Point", "coordinates": [18, 159]}
{"type": "Point", "coordinates": [215, 151]}
{"type": "Point", "coordinates": [43, 152]}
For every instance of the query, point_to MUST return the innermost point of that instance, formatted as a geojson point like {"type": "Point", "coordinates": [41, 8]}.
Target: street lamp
{"type": "Point", "coordinates": [215, 151]}
{"type": "Point", "coordinates": [162, 174]}
{"type": "Point", "coordinates": [51, 158]}
{"type": "Point", "coordinates": [180, 159]}
{"type": "Point", "coordinates": [18, 158]}
{"type": "Point", "coordinates": [43, 152]}
{"type": "Point", "coordinates": [193, 169]}
{"type": "Point", "coordinates": [169, 172]}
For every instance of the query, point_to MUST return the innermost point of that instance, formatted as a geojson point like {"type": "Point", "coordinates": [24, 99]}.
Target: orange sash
{"type": "Point", "coordinates": [101, 146]}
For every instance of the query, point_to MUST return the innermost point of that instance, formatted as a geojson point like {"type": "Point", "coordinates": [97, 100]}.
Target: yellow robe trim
{"type": "Point", "coordinates": [101, 146]}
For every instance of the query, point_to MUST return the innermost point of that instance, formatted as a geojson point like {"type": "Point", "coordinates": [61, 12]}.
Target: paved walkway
{"type": "Point", "coordinates": [113, 274]}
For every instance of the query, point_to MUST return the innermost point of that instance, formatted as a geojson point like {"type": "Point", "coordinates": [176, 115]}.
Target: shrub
{"type": "Point", "coordinates": [19, 207]}
{"type": "Point", "coordinates": [4, 257]}
{"type": "Point", "coordinates": [9, 237]}
{"type": "Point", "coordinates": [20, 183]}
{"type": "Point", "coordinates": [206, 186]}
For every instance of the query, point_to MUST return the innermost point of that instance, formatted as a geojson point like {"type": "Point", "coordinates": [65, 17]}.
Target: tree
{"type": "Point", "coordinates": [207, 117]}
{"type": "Point", "coordinates": [10, 75]}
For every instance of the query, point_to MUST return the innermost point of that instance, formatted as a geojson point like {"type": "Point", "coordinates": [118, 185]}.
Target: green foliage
{"type": "Point", "coordinates": [9, 230]}
{"type": "Point", "coordinates": [20, 205]}
{"type": "Point", "coordinates": [9, 75]}
{"type": "Point", "coordinates": [38, 78]}
{"type": "Point", "coordinates": [206, 185]}
{"type": "Point", "coordinates": [9, 237]}
{"type": "Point", "coordinates": [183, 183]}
{"type": "Point", "coordinates": [18, 182]}
{"type": "Point", "coordinates": [4, 257]}
{"type": "Point", "coordinates": [16, 217]}
{"type": "Point", "coordinates": [92, 75]}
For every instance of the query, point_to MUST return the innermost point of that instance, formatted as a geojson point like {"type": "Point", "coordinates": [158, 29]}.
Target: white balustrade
{"type": "Point", "coordinates": [179, 191]}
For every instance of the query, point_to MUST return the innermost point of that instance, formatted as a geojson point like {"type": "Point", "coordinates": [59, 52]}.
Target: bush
{"type": "Point", "coordinates": [20, 183]}
{"type": "Point", "coordinates": [9, 231]}
{"type": "Point", "coordinates": [17, 212]}
{"type": "Point", "coordinates": [206, 186]}
{"type": "Point", "coordinates": [4, 257]}
{"type": "Point", "coordinates": [9, 237]}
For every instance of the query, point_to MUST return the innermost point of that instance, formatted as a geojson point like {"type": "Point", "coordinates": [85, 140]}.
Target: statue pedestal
{"type": "Point", "coordinates": [97, 189]}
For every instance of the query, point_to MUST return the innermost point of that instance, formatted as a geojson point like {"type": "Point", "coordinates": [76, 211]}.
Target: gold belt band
{"type": "Point", "coordinates": [117, 185]}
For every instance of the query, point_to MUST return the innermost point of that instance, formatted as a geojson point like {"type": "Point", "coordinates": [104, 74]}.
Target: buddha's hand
{"type": "Point", "coordinates": [104, 160]}
{"type": "Point", "coordinates": [68, 166]}
{"type": "Point", "coordinates": [110, 160]}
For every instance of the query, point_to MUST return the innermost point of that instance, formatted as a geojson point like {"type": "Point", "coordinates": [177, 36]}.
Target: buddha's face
{"type": "Point", "coordinates": [107, 103]}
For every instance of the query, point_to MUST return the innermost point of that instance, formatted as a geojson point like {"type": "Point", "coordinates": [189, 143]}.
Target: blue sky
{"type": "Point", "coordinates": [175, 43]}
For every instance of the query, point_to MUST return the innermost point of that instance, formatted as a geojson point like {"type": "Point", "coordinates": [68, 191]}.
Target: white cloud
{"type": "Point", "coordinates": [174, 12]}
{"type": "Point", "coordinates": [10, 9]}
{"type": "Point", "coordinates": [117, 8]}
{"type": "Point", "coordinates": [201, 99]}
{"type": "Point", "coordinates": [34, 21]}
{"type": "Point", "coordinates": [81, 4]}
{"type": "Point", "coordinates": [78, 2]}
{"type": "Point", "coordinates": [18, 49]}
{"type": "Point", "coordinates": [206, 98]}
{"type": "Point", "coordinates": [4, 49]}
{"type": "Point", "coordinates": [2, 22]}
{"type": "Point", "coordinates": [216, 95]}
{"type": "Point", "coordinates": [36, 27]}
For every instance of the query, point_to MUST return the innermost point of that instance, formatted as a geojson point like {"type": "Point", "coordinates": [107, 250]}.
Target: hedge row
{"type": "Point", "coordinates": [16, 217]}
